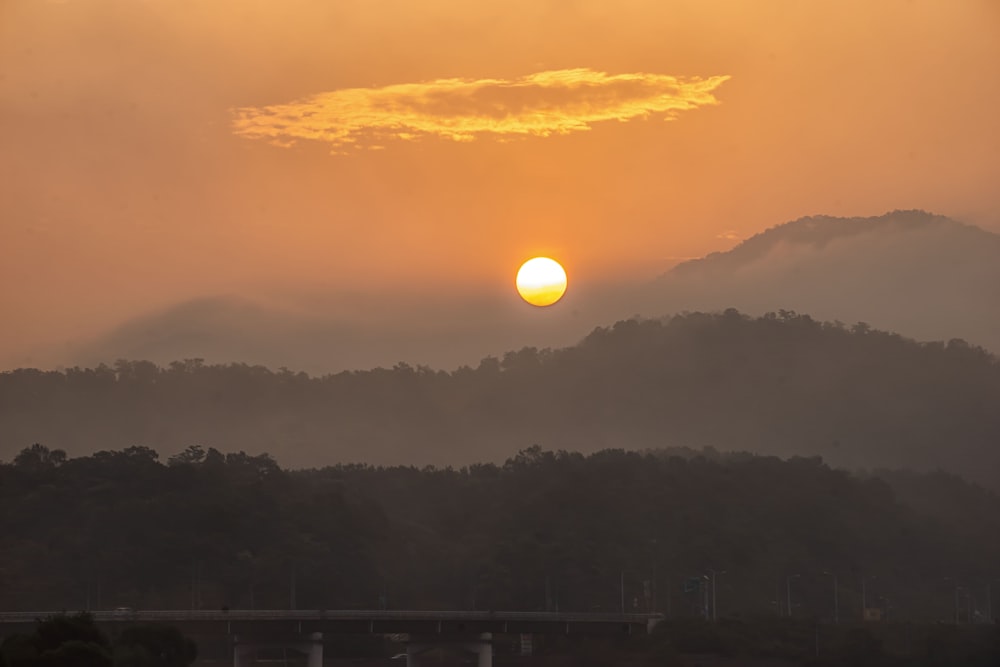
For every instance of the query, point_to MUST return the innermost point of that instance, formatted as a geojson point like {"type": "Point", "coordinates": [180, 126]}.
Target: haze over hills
{"type": "Point", "coordinates": [262, 346]}
{"type": "Point", "coordinates": [783, 384]}
{"type": "Point", "coordinates": [323, 335]}
{"type": "Point", "coordinates": [922, 275]}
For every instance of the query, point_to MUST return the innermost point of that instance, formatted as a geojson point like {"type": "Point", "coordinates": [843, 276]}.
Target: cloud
{"type": "Point", "coordinates": [541, 104]}
{"type": "Point", "coordinates": [729, 235]}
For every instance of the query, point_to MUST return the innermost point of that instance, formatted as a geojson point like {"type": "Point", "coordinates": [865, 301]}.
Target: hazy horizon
{"type": "Point", "coordinates": [912, 273]}
{"type": "Point", "coordinates": [570, 332]}
{"type": "Point", "coordinates": [354, 161]}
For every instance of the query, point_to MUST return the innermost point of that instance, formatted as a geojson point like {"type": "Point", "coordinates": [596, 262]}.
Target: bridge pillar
{"type": "Point", "coordinates": [244, 649]}
{"type": "Point", "coordinates": [316, 650]}
{"type": "Point", "coordinates": [242, 654]}
{"type": "Point", "coordinates": [651, 623]}
{"type": "Point", "coordinates": [412, 651]}
{"type": "Point", "coordinates": [482, 647]}
{"type": "Point", "coordinates": [485, 650]}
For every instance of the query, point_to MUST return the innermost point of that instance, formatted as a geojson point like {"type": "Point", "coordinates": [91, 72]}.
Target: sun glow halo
{"type": "Point", "coordinates": [541, 281]}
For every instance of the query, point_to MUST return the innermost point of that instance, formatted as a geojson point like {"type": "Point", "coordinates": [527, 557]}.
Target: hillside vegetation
{"type": "Point", "coordinates": [544, 530]}
{"type": "Point", "coordinates": [782, 384]}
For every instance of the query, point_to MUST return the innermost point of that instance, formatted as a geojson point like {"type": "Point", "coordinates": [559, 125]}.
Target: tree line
{"type": "Point", "coordinates": [610, 531]}
{"type": "Point", "coordinates": [74, 640]}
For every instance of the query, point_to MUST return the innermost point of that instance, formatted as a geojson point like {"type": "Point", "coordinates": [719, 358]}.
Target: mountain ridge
{"type": "Point", "coordinates": [926, 276]}
{"type": "Point", "coordinates": [820, 230]}
{"type": "Point", "coordinates": [782, 384]}
{"type": "Point", "coordinates": [923, 275]}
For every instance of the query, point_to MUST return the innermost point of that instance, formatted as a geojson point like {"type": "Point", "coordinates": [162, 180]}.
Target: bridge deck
{"type": "Point", "coordinates": [238, 621]}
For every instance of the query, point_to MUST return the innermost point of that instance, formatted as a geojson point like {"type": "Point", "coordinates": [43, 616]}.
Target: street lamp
{"type": "Point", "coordinates": [836, 605]}
{"type": "Point", "coordinates": [788, 591]}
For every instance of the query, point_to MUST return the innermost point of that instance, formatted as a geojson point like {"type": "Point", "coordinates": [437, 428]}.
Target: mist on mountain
{"type": "Point", "coordinates": [922, 275]}
{"type": "Point", "coordinates": [925, 276]}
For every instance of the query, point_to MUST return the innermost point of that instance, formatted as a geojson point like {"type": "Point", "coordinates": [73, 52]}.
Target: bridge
{"type": "Point", "coordinates": [303, 630]}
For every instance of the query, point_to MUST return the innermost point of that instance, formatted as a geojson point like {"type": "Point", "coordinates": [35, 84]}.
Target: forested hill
{"type": "Point", "coordinates": [542, 531]}
{"type": "Point", "coordinates": [782, 384]}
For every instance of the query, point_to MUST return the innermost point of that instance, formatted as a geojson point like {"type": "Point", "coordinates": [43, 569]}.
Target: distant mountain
{"type": "Point", "coordinates": [781, 384]}
{"type": "Point", "coordinates": [923, 275]}
{"type": "Point", "coordinates": [320, 332]}
{"type": "Point", "coordinates": [333, 334]}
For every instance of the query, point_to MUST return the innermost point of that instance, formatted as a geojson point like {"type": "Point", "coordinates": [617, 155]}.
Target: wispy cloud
{"type": "Point", "coordinates": [729, 235]}
{"type": "Point", "coordinates": [541, 104]}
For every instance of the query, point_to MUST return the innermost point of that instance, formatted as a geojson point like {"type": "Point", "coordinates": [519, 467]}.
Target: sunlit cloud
{"type": "Point", "coordinates": [540, 105]}
{"type": "Point", "coordinates": [729, 235]}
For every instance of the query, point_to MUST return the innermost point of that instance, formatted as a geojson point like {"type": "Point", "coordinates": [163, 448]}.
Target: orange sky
{"type": "Point", "coordinates": [154, 151]}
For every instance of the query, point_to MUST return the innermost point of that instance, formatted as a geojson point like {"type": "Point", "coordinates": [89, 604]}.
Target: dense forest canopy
{"type": "Point", "coordinates": [782, 384]}
{"type": "Point", "coordinates": [544, 530]}
{"type": "Point", "coordinates": [75, 640]}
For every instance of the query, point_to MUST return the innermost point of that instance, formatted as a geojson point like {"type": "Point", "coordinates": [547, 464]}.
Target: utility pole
{"type": "Point", "coordinates": [788, 591]}
{"type": "Point", "coordinates": [654, 552]}
{"type": "Point", "coordinates": [714, 614]}
{"type": "Point", "coordinates": [714, 572]}
{"type": "Point", "coordinates": [788, 595]}
{"type": "Point", "coordinates": [194, 580]}
{"type": "Point", "coordinates": [669, 601]}
{"type": "Point", "coordinates": [836, 600]}
{"type": "Point", "coordinates": [989, 602]}
{"type": "Point", "coordinates": [864, 596]}
{"type": "Point", "coordinates": [836, 605]}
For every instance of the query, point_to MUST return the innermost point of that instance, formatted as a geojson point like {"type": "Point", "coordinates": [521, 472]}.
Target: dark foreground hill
{"type": "Point", "coordinates": [782, 384]}
{"type": "Point", "coordinates": [542, 531]}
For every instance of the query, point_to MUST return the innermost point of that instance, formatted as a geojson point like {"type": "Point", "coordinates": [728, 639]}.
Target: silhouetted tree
{"type": "Point", "coordinates": [38, 458]}
{"type": "Point", "coordinates": [60, 641]}
{"type": "Point", "coordinates": [153, 646]}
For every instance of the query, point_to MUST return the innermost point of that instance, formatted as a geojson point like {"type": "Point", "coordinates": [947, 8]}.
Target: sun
{"type": "Point", "coordinates": [541, 281]}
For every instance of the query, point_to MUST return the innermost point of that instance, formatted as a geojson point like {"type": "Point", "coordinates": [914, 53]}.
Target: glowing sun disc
{"type": "Point", "coordinates": [541, 281]}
